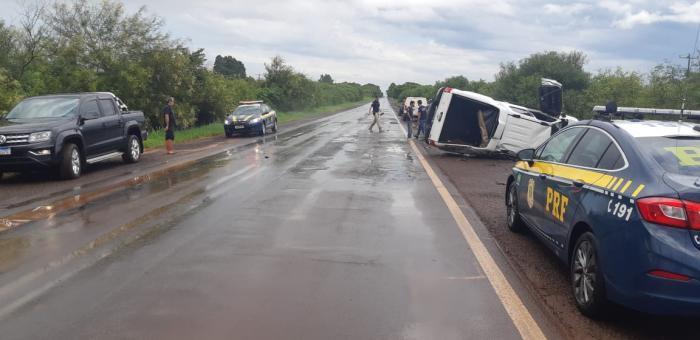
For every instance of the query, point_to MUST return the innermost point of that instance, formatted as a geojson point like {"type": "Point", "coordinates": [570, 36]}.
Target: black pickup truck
{"type": "Point", "coordinates": [64, 132]}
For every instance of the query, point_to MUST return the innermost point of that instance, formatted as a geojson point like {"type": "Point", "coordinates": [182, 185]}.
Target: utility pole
{"type": "Point", "coordinates": [690, 58]}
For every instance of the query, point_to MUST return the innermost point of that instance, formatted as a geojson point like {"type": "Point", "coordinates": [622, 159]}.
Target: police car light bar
{"type": "Point", "coordinates": [248, 102]}
{"type": "Point", "coordinates": [633, 111]}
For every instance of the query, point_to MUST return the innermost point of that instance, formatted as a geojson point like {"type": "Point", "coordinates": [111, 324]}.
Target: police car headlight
{"type": "Point", "coordinates": [227, 122]}
{"type": "Point", "coordinates": [255, 120]}
{"type": "Point", "coordinates": [39, 136]}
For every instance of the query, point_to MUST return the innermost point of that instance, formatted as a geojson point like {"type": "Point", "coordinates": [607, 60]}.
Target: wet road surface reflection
{"type": "Point", "coordinates": [327, 232]}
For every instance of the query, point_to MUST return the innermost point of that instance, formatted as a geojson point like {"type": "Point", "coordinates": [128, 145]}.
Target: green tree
{"type": "Point", "coordinates": [326, 78]}
{"type": "Point", "coordinates": [229, 66]}
{"type": "Point", "coordinates": [518, 83]}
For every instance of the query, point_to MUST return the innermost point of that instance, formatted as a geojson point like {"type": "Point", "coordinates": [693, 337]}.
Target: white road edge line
{"type": "Point", "coordinates": [518, 313]}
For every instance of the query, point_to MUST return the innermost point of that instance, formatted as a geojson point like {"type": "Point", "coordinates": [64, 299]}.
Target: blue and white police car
{"type": "Point", "coordinates": [619, 202]}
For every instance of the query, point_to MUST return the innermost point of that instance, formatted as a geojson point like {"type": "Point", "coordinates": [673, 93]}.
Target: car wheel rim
{"type": "Point", "coordinates": [135, 149]}
{"type": "Point", "coordinates": [510, 206]}
{"type": "Point", "coordinates": [75, 161]}
{"type": "Point", "coordinates": [263, 128]}
{"type": "Point", "coordinates": [584, 273]}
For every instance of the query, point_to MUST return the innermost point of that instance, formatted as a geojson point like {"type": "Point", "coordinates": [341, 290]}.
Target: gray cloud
{"type": "Point", "coordinates": [383, 41]}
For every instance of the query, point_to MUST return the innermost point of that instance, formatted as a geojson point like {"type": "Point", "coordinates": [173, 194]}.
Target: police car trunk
{"type": "Point", "coordinates": [461, 116]}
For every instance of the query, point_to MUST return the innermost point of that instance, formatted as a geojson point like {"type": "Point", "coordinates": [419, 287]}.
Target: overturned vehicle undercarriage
{"type": "Point", "coordinates": [468, 122]}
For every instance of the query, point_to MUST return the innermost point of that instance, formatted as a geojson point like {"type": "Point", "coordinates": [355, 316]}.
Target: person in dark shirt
{"type": "Point", "coordinates": [422, 118]}
{"type": "Point", "coordinates": [375, 112]}
{"type": "Point", "coordinates": [170, 125]}
{"type": "Point", "coordinates": [408, 118]}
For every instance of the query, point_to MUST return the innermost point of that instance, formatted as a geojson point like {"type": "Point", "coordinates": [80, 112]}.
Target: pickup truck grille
{"type": "Point", "coordinates": [15, 139]}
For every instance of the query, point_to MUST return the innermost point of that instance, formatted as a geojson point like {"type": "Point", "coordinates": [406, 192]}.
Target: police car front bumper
{"type": "Point", "coordinates": [242, 128]}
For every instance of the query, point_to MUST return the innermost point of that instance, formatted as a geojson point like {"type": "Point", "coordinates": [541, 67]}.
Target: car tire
{"type": "Point", "coordinates": [132, 154]}
{"type": "Point", "coordinates": [71, 165]}
{"type": "Point", "coordinates": [513, 219]}
{"type": "Point", "coordinates": [262, 129]}
{"type": "Point", "coordinates": [587, 281]}
{"type": "Point", "coordinates": [274, 127]}
{"type": "Point", "coordinates": [228, 134]}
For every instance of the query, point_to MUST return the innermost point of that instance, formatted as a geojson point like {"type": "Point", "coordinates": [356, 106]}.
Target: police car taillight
{"type": "Point", "coordinates": [670, 212]}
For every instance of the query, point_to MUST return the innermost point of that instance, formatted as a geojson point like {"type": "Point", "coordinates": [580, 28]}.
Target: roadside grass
{"type": "Point", "coordinates": [156, 139]}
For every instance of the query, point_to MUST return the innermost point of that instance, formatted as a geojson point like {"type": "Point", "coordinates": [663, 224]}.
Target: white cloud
{"type": "Point", "coordinates": [639, 13]}
{"type": "Point", "coordinates": [568, 9]}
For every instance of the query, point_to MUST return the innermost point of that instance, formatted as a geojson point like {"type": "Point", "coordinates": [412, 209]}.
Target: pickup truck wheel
{"type": "Point", "coordinates": [133, 150]}
{"type": "Point", "coordinates": [71, 162]}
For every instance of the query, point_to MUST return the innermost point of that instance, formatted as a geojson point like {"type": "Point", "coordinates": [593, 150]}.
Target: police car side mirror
{"type": "Point", "coordinates": [527, 155]}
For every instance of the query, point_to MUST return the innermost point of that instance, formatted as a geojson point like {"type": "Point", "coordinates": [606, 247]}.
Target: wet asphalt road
{"type": "Point", "coordinates": [327, 232]}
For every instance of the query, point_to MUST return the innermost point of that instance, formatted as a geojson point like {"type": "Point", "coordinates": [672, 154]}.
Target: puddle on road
{"type": "Point", "coordinates": [157, 181]}
{"type": "Point", "coordinates": [10, 250]}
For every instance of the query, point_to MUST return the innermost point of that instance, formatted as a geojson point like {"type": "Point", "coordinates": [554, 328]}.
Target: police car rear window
{"type": "Point", "coordinates": [678, 155]}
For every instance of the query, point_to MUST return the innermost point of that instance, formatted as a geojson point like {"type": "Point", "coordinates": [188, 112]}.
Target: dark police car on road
{"type": "Point", "coordinates": [64, 132]}
{"type": "Point", "coordinates": [251, 117]}
{"type": "Point", "coordinates": [619, 201]}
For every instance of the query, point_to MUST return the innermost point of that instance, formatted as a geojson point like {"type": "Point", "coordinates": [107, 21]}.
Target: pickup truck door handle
{"type": "Point", "coordinates": [542, 176]}
{"type": "Point", "coordinates": [578, 184]}
{"type": "Point", "coordinates": [544, 124]}
{"type": "Point", "coordinates": [515, 116]}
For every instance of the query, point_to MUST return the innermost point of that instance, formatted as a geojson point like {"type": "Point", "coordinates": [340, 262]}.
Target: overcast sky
{"type": "Point", "coordinates": [384, 41]}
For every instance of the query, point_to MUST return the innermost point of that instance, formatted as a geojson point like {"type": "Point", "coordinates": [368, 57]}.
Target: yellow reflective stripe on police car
{"type": "Point", "coordinates": [588, 177]}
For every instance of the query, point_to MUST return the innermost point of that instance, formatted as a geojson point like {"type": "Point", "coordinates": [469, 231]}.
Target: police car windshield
{"type": "Point", "coordinates": [47, 107]}
{"type": "Point", "coordinates": [247, 110]}
{"type": "Point", "coordinates": [677, 155]}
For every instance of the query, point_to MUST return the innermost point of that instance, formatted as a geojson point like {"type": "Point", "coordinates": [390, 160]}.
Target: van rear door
{"type": "Point", "coordinates": [439, 119]}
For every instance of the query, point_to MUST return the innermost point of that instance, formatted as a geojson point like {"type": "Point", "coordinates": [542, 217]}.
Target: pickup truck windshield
{"type": "Point", "coordinates": [55, 107]}
{"type": "Point", "coordinates": [247, 110]}
{"type": "Point", "coordinates": [677, 155]}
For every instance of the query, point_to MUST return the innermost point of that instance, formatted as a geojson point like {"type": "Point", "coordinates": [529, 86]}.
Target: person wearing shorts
{"type": "Point", "coordinates": [169, 118]}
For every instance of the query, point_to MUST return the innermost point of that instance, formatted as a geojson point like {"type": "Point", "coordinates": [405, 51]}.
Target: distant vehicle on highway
{"type": "Point", "coordinates": [461, 118]}
{"type": "Point", "coordinates": [65, 132]}
{"type": "Point", "coordinates": [251, 117]}
{"type": "Point", "coordinates": [618, 201]}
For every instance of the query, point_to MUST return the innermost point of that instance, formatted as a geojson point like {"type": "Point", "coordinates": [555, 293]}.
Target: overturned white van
{"type": "Point", "coordinates": [468, 122]}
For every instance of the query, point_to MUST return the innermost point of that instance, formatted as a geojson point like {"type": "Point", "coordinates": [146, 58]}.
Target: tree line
{"type": "Point", "coordinates": [82, 46]}
{"type": "Point", "coordinates": [664, 86]}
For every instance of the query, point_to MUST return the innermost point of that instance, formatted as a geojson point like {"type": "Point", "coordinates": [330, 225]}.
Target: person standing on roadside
{"type": "Point", "coordinates": [374, 107]}
{"type": "Point", "coordinates": [170, 125]}
{"type": "Point", "coordinates": [408, 118]}
{"type": "Point", "coordinates": [422, 118]}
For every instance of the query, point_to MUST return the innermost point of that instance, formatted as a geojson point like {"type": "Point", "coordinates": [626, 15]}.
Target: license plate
{"type": "Point", "coordinates": [237, 127]}
{"type": "Point", "coordinates": [5, 151]}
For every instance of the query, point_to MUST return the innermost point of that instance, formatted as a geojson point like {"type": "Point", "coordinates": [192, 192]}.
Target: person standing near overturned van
{"type": "Point", "coordinates": [422, 119]}
{"type": "Point", "coordinates": [374, 107]}
{"type": "Point", "coordinates": [408, 118]}
{"type": "Point", "coordinates": [170, 124]}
